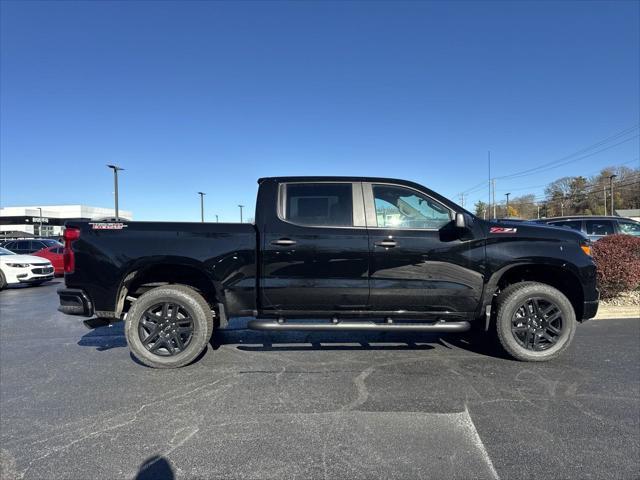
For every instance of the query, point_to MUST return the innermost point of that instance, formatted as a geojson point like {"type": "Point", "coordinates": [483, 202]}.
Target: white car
{"type": "Point", "coordinates": [16, 269]}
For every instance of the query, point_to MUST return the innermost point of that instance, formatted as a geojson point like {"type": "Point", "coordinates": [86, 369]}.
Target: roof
{"type": "Point", "coordinates": [321, 178]}
{"type": "Point", "coordinates": [631, 212]}
{"type": "Point", "coordinates": [582, 217]}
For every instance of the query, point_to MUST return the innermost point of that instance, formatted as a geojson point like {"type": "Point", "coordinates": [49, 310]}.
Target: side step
{"type": "Point", "coordinates": [437, 327]}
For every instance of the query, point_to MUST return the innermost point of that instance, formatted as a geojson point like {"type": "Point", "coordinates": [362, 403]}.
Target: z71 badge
{"type": "Point", "coordinates": [107, 226]}
{"type": "Point", "coordinates": [502, 230]}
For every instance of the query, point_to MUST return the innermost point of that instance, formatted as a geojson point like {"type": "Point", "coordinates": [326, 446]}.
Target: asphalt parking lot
{"type": "Point", "coordinates": [74, 404]}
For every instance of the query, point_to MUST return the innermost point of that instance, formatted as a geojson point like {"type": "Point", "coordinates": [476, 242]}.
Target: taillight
{"type": "Point", "coordinates": [70, 234]}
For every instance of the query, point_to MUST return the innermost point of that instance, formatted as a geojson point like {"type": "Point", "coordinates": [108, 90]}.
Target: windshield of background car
{"type": "Point", "coordinates": [4, 251]}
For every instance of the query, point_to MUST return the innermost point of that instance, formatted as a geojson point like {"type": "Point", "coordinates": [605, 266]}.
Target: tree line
{"type": "Point", "coordinates": [573, 196]}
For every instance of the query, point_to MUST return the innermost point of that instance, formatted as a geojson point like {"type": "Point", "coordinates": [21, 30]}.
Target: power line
{"type": "Point", "coordinates": [568, 158]}
{"type": "Point", "coordinates": [526, 173]}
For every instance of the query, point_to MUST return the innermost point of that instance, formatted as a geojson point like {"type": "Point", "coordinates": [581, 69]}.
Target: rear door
{"type": "Point", "coordinates": [315, 252]}
{"type": "Point", "coordinates": [419, 262]}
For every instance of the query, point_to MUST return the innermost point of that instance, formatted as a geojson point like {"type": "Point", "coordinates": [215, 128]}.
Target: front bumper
{"type": "Point", "coordinates": [74, 301]}
{"type": "Point", "coordinates": [36, 278]}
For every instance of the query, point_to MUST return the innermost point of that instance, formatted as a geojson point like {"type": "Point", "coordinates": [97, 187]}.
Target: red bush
{"type": "Point", "coordinates": [618, 260]}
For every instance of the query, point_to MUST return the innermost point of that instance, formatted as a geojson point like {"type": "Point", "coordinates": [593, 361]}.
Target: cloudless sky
{"type": "Point", "coordinates": [190, 96]}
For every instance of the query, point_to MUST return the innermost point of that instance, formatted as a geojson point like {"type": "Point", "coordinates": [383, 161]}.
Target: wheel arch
{"type": "Point", "coordinates": [559, 276]}
{"type": "Point", "coordinates": [146, 275]}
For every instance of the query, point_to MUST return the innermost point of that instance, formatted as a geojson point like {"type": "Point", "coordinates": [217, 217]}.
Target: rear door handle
{"type": "Point", "coordinates": [386, 243]}
{"type": "Point", "coordinates": [283, 242]}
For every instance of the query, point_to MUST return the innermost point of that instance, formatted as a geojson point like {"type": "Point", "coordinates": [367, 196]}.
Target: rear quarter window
{"type": "Point", "coordinates": [599, 227]}
{"type": "Point", "coordinates": [572, 224]}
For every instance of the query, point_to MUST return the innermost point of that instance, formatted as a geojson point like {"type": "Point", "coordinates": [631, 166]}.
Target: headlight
{"type": "Point", "coordinates": [18, 265]}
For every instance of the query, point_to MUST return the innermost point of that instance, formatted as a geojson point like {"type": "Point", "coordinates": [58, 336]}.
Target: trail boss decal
{"type": "Point", "coordinates": [502, 230]}
{"type": "Point", "coordinates": [107, 226]}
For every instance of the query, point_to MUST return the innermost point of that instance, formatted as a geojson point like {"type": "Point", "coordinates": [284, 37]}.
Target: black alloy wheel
{"type": "Point", "coordinates": [166, 329]}
{"type": "Point", "coordinates": [537, 324]}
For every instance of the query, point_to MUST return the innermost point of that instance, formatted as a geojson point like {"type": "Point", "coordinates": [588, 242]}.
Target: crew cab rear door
{"type": "Point", "coordinates": [419, 260]}
{"type": "Point", "coordinates": [315, 251]}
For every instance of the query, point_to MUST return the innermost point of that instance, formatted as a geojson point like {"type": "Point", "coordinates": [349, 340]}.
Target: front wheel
{"type": "Point", "coordinates": [534, 321]}
{"type": "Point", "coordinates": [168, 326]}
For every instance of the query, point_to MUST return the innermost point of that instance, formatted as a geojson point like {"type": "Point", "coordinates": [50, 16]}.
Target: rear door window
{"type": "Point", "coordinates": [319, 204]}
{"type": "Point", "coordinates": [599, 228]}
{"type": "Point", "coordinates": [23, 246]}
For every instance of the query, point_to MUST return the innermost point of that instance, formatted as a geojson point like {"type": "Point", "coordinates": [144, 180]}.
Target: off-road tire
{"type": "Point", "coordinates": [511, 298]}
{"type": "Point", "coordinates": [187, 298]}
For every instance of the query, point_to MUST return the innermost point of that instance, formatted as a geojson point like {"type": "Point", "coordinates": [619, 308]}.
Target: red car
{"type": "Point", "coordinates": [54, 254]}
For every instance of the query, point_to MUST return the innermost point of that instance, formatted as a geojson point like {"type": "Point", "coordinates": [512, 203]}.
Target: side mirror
{"type": "Point", "coordinates": [460, 220]}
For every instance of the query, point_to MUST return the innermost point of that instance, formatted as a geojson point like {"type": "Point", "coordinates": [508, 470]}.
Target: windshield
{"type": "Point", "coordinates": [4, 251]}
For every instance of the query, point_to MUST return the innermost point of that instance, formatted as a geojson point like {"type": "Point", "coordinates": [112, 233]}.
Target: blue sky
{"type": "Point", "coordinates": [209, 96]}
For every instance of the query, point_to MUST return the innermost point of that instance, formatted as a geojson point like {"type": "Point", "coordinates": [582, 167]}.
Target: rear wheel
{"type": "Point", "coordinates": [534, 321]}
{"type": "Point", "coordinates": [169, 326]}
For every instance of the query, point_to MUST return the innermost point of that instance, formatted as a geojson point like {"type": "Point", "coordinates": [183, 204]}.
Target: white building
{"type": "Point", "coordinates": [48, 220]}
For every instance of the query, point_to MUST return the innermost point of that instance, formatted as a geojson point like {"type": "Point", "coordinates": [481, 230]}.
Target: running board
{"type": "Point", "coordinates": [437, 327]}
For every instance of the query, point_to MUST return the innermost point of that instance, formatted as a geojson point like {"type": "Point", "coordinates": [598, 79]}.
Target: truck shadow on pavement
{"type": "Point", "coordinates": [107, 338]}
{"type": "Point", "coordinates": [155, 468]}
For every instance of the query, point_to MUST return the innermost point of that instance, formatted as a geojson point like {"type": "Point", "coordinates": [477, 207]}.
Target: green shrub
{"type": "Point", "coordinates": [617, 258]}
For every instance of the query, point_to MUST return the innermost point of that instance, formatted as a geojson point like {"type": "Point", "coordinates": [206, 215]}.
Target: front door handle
{"type": "Point", "coordinates": [386, 243]}
{"type": "Point", "coordinates": [283, 242]}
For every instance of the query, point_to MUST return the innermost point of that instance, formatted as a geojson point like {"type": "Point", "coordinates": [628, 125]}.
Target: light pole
{"type": "Point", "coordinates": [611, 177]}
{"type": "Point", "coordinates": [115, 169]}
{"type": "Point", "coordinates": [538, 206]}
{"type": "Point", "coordinates": [241, 207]}
{"type": "Point", "coordinates": [507, 194]}
{"type": "Point", "coordinates": [202, 194]}
{"type": "Point", "coordinates": [40, 231]}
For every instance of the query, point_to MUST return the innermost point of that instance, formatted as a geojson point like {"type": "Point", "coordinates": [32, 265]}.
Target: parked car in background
{"type": "Point", "coordinates": [16, 269]}
{"type": "Point", "coordinates": [26, 246]}
{"type": "Point", "coordinates": [596, 227]}
{"type": "Point", "coordinates": [54, 255]}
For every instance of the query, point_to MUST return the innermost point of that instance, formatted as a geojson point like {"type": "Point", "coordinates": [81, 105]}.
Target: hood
{"type": "Point", "coordinates": [530, 229]}
{"type": "Point", "coordinates": [22, 259]}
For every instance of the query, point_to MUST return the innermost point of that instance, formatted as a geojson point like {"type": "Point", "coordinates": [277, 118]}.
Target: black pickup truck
{"type": "Point", "coordinates": [332, 253]}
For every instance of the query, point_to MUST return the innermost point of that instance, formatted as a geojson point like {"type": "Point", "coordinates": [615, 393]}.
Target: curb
{"type": "Point", "coordinates": [604, 313]}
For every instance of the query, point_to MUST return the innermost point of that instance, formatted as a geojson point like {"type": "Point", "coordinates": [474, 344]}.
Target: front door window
{"type": "Point", "coordinates": [398, 207]}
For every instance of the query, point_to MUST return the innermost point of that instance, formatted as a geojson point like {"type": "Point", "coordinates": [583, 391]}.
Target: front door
{"type": "Point", "coordinates": [315, 255]}
{"type": "Point", "coordinates": [419, 261]}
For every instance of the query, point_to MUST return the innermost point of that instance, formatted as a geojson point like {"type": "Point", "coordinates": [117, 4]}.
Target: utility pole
{"type": "Point", "coordinates": [116, 169]}
{"type": "Point", "coordinates": [493, 181]}
{"type": "Point", "coordinates": [462, 200]}
{"type": "Point", "coordinates": [216, 218]}
{"type": "Point", "coordinates": [562, 207]}
{"type": "Point", "coordinates": [489, 177]}
{"type": "Point", "coordinates": [507, 194]}
{"type": "Point", "coordinates": [604, 189]}
{"type": "Point", "coordinates": [241, 207]}
{"type": "Point", "coordinates": [611, 177]}
{"type": "Point", "coordinates": [202, 194]}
